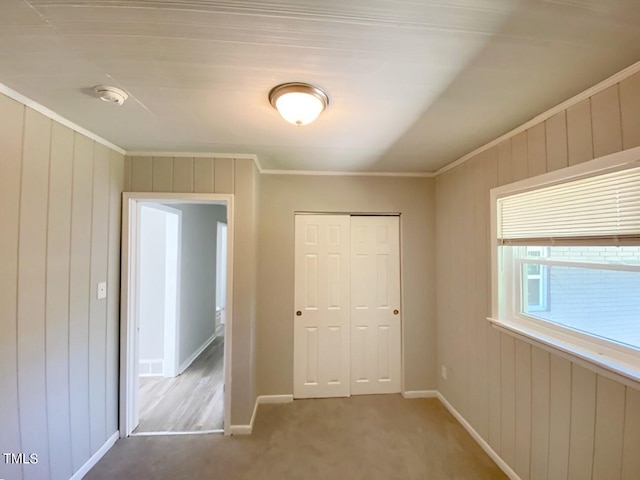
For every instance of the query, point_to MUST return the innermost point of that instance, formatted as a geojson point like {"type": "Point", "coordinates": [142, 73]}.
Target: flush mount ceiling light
{"type": "Point", "coordinates": [298, 103]}
{"type": "Point", "coordinates": [110, 94]}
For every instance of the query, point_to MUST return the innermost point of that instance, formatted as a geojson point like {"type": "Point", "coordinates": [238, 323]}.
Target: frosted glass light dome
{"type": "Point", "coordinates": [298, 103]}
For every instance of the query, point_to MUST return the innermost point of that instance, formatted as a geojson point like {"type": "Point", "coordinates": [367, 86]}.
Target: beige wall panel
{"type": "Point", "coordinates": [479, 393]}
{"type": "Point", "coordinates": [557, 147]}
{"type": "Point", "coordinates": [579, 138]}
{"type": "Point", "coordinates": [32, 289]}
{"type": "Point", "coordinates": [631, 448]}
{"type": "Point", "coordinates": [508, 398]}
{"type": "Point", "coordinates": [183, 174]}
{"type": "Point", "coordinates": [98, 307]}
{"type": "Point", "coordinates": [505, 167]}
{"type": "Point", "coordinates": [536, 150]}
{"type": "Point", "coordinates": [444, 225]}
{"type": "Point", "coordinates": [280, 197]}
{"type": "Point", "coordinates": [116, 186]}
{"type": "Point", "coordinates": [559, 416]}
{"type": "Point", "coordinates": [141, 174]}
{"type": "Point", "coordinates": [610, 410]}
{"type": "Point", "coordinates": [495, 388]}
{"type": "Point", "coordinates": [519, 157]}
{"type": "Point", "coordinates": [540, 396]}
{"type": "Point", "coordinates": [244, 292]}
{"type": "Point", "coordinates": [605, 118]}
{"type": "Point", "coordinates": [630, 111]}
{"type": "Point", "coordinates": [223, 175]}
{"type": "Point", "coordinates": [11, 124]}
{"type": "Point", "coordinates": [57, 300]}
{"type": "Point", "coordinates": [162, 174]}
{"type": "Point", "coordinates": [127, 173]}
{"type": "Point", "coordinates": [203, 175]}
{"type": "Point", "coordinates": [523, 409]}
{"type": "Point", "coordinates": [79, 292]}
{"type": "Point", "coordinates": [583, 412]}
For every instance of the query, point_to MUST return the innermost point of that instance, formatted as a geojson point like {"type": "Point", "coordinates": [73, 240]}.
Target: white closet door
{"type": "Point", "coordinates": [375, 305]}
{"type": "Point", "coordinates": [321, 316]}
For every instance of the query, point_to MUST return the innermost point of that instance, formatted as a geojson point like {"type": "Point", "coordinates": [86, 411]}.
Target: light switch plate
{"type": "Point", "coordinates": [102, 290]}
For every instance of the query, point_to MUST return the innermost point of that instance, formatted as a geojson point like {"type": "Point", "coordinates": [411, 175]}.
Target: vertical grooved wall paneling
{"type": "Point", "coordinates": [610, 410]}
{"type": "Point", "coordinates": [546, 416]}
{"type": "Point", "coordinates": [536, 150]}
{"type": "Point", "coordinates": [523, 409]}
{"type": "Point", "coordinates": [162, 174]}
{"type": "Point", "coordinates": [53, 354]}
{"type": "Point", "coordinates": [79, 294]}
{"type": "Point", "coordinates": [607, 128]}
{"type": "Point", "coordinates": [579, 136]}
{"type": "Point", "coordinates": [32, 256]}
{"type": "Point", "coordinates": [556, 136]}
{"type": "Point", "coordinates": [630, 457]}
{"type": "Point", "coordinates": [630, 111]}
{"type": "Point", "coordinates": [57, 316]}
{"type": "Point", "coordinates": [11, 131]}
{"type": "Point", "coordinates": [203, 175]}
{"type": "Point", "coordinates": [183, 174]}
{"type": "Point", "coordinates": [98, 307]}
{"type": "Point", "coordinates": [223, 175]}
{"type": "Point", "coordinates": [540, 370]}
{"type": "Point", "coordinates": [519, 157]}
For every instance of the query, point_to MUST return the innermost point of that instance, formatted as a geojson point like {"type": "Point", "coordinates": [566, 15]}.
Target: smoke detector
{"type": "Point", "coordinates": [110, 94]}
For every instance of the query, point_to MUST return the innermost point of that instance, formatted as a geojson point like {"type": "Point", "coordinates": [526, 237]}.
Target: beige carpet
{"type": "Point", "coordinates": [363, 437]}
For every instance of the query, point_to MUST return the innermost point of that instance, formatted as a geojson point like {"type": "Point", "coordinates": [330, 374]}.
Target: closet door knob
{"type": "Point", "coordinates": [395, 312]}
{"type": "Point", "coordinates": [299, 313]}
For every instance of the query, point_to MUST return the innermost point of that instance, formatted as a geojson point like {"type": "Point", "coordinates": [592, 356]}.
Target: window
{"type": "Point", "coordinates": [567, 263]}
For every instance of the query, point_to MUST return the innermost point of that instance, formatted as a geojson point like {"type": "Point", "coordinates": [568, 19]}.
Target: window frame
{"type": "Point", "coordinates": [603, 356]}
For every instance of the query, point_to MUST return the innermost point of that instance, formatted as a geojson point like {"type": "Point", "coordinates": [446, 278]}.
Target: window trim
{"type": "Point", "coordinates": [598, 355]}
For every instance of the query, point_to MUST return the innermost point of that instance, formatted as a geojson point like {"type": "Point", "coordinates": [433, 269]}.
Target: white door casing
{"type": "Point", "coordinates": [375, 305]}
{"type": "Point", "coordinates": [321, 316]}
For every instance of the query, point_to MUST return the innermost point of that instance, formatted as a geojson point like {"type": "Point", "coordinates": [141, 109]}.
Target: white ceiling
{"type": "Point", "coordinates": [413, 84]}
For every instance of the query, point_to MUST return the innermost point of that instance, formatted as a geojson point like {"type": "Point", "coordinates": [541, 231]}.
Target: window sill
{"type": "Point", "coordinates": [611, 364]}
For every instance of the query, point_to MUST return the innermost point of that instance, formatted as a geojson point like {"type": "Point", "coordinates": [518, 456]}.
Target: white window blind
{"type": "Point", "coordinates": [601, 208]}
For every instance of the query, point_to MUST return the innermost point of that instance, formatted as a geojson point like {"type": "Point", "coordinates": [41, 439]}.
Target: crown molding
{"type": "Point", "coordinates": [347, 173]}
{"type": "Point", "coordinates": [32, 104]}
{"type": "Point", "coordinates": [588, 93]}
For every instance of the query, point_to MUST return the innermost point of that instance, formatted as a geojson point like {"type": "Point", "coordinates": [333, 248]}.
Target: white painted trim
{"type": "Point", "coordinates": [240, 429]}
{"type": "Point", "coordinates": [273, 399]}
{"type": "Point", "coordinates": [347, 174]}
{"type": "Point", "coordinates": [481, 441]}
{"type": "Point", "coordinates": [420, 394]}
{"type": "Point", "coordinates": [18, 97]}
{"type": "Point", "coordinates": [159, 434]}
{"type": "Point", "coordinates": [95, 458]}
{"type": "Point", "coordinates": [588, 93]}
{"type": "Point", "coordinates": [130, 202]}
{"type": "Point", "coordinates": [260, 400]}
{"type": "Point", "coordinates": [184, 365]}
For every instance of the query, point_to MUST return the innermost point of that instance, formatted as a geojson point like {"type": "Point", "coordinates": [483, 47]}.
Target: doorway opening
{"type": "Point", "coordinates": [176, 328]}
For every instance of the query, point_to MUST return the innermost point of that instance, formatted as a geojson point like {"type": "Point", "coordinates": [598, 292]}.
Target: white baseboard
{"type": "Point", "coordinates": [265, 399]}
{"type": "Point", "coordinates": [184, 365]}
{"type": "Point", "coordinates": [95, 458]}
{"type": "Point", "coordinates": [420, 394]}
{"type": "Point", "coordinates": [260, 400]}
{"type": "Point", "coordinates": [481, 441]}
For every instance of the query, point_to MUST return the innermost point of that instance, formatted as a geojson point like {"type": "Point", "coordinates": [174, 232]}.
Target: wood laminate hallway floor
{"type": "Point", "coordinates": [190, 402]}
{"type": "Point", "coordinates": [373, 437]}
